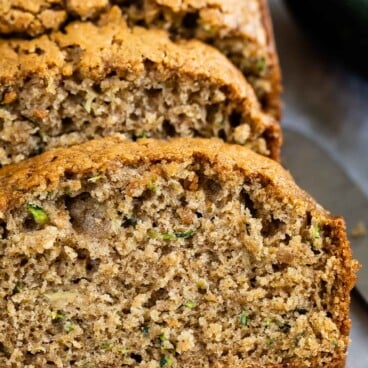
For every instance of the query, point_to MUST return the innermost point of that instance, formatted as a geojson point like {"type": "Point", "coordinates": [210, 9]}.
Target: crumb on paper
{"type": "Point", "coordinates": [359, 230]}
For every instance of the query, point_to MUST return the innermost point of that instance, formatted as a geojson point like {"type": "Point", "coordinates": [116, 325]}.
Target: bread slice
{"type": "Point", "coordinates": [98, 80]}
{"type": "Point", "coordinates": [240, 29]}
{"type": "Point", "coordinates": [185, 253]}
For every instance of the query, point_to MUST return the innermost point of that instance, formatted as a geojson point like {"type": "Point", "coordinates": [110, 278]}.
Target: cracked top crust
{"type": "Point", "coordinates": [44, 171]}
{"type": "Point", "coordinates": [112, 44]}
{"type": "Point", "coordinates": [241, 30]}
{"type": "Point", "coordinates": [94, 52]}
{"type": "Point", "coordinates": [38, 16]}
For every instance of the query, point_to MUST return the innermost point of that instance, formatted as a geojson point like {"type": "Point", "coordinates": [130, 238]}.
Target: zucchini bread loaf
{"type": "Point", "coordinates": [98, 80]}
{"type": "Point", "coordinates": [240, 29]}
{"type": "Point", "coordinates": [183, 253]}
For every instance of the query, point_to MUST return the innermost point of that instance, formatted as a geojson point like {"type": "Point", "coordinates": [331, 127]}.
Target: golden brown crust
{"type": "Point", "coordinates": [273, 99]}
{"type": "Point", "coordinates": [86, 9]}
{"type": "Point", "coordinates": [249, 21]}
{"type": "Point", "coordinates": [97, 155]}
{"type": "Point", "coordinates": [113, 46]}
{"type": "Point", "coordinates": [110, 45]}
{"type": "Point", "coordinates": [43, 173]}
{"type": "Point", "coordinates": [31, 17]}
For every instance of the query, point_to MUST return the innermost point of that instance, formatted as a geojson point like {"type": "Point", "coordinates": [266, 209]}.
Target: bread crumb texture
{"type": "Point", "coordinates": [240, 29]}
{"type": "Point", "coordinates": [186, 253]}
{"type": "Point", "coordinates": [92, 81]}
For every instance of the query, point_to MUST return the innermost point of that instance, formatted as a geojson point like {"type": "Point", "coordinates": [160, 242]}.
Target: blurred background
{"type": "Point", "coordinates": [322, 96]}
{"type": "Point", "coordinates": [326, 128]}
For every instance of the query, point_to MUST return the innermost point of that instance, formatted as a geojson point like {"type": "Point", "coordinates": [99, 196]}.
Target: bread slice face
{"type": "Point", "coordinates": [240, 29]}
{"type": "Point", "coordinates": [183, 253]}
{"type": "Point", "coordinates": [99, 80]}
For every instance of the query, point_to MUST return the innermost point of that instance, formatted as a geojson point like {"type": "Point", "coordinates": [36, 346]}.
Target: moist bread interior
{"type": "Point", "coordinates": [165, 263]}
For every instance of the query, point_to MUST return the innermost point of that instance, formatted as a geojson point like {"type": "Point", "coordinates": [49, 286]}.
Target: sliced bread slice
{"type": "Point", "coordinates": [240, 29]}
{"type": "Point", "coordinates": [185, 253]}
{"type": "Point", "coordinates": [98, 80]}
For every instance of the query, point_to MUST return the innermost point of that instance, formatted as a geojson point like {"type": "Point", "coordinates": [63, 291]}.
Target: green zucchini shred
{"type": "Point", "coordinates": [38, 214]}
{"type": "Point", "coordinates": [190, 304]}
{"type": "Point", "coordinates": [165, 362]}
{"type": "Point", "coordinates": [244, 319]}
{"type": "Point", "coordinates": [94, 179]}
{"type": "Point", "coordinates": [171, 236]}
{"type": "Point", "coordinates": [68, 326]}
{"type": "Point", "coordinates": [57, 316]}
